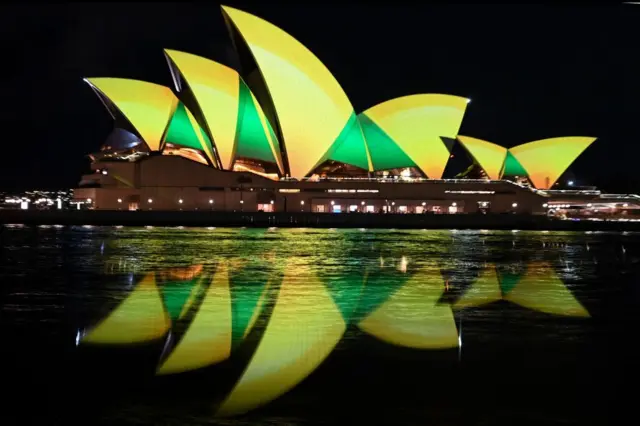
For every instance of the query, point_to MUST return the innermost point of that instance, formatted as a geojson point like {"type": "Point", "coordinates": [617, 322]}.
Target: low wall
{"type": "Point", "coordinates": [317, 220]}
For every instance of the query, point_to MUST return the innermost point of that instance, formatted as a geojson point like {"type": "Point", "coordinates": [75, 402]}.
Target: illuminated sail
{"type": "Point", "coordinates": [415, 124]}
{"type": "Point", "coordinates": [314, 116]}
{"type": "Point", "coordinates": [304, 328]}
{"type": "Point", "coordinates": [490, 156]}
{"type": "Point", "coordinates": [216, 89]}
{"type": "Point", "coordinates": [147, 106]}
{"type": "Point", "coordinates": [139, 318]}
{"type": "Point", "coordinates": [546, 160]}
{"type": "Point", "coordinates": [185, 131]}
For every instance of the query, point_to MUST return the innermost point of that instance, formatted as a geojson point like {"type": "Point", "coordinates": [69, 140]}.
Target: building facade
{"type": "Point", "coordinates": [280, 134]}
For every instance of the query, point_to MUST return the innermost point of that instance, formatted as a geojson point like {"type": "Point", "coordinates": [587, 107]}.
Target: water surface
{"type": "Point", "coordinates": [303, 326]}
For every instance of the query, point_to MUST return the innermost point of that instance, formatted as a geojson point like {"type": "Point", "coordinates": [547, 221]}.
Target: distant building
{"type": "Point", "coordinates": [281, 135]}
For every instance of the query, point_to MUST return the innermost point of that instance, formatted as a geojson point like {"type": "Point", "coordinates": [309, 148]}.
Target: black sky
{"type": "Point", "coordinates": [532, 71]}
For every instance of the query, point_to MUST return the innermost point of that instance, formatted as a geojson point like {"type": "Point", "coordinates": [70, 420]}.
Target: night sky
{"type": "Point", "coordinates": [532, 72]}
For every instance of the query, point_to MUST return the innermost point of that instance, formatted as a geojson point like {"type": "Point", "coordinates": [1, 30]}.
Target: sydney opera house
{"type": "Point", "coordinates": [280, 134]}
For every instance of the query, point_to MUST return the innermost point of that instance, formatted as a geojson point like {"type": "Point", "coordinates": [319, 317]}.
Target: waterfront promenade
{"type": "Point", "coordinates": [317, 220]}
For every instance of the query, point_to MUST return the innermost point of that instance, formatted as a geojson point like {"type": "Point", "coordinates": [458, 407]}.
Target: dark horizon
{"type": "Point", "coordinates": [532, 72]}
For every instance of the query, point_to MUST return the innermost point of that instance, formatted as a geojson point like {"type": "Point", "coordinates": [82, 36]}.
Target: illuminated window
{"type": "Point", "coordinates": [337, 208]}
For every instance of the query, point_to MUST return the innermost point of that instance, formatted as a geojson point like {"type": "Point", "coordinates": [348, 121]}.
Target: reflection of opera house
{"type": "Point", "coordinates": [283, 136]}
{"type": "Point", "coordinates": [292, 320]}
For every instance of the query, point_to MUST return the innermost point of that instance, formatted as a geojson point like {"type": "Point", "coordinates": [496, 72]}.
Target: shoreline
{"type": "Point", "coordinates": [306, 220]}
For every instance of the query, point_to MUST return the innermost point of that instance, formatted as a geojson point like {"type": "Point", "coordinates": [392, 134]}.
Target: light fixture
{"type": "Point", "coordinates": [570, 183]}
{"type": "Point", "coordinates": [589, 205]}
{"type": "Point", "coordinates": [302, 203]}
{"type": "Point", "coordinates": [88, 200]}
{"type": "Point", "coordinates": [514, 205]}
{"type": "Point", "coordinates": [150, 200]}
{"type": "Point", "coordinates": [424, 204]}
{"type": "Point", "coordinates": [625, 205]}
{"type": "Point", "coordinates": [210, 201]}
{"type": "Point", "coordinates": [241, 201]}
{"type": "Point", "coordinates": [332, 202]}
{"type": "Point", "coordinates": [545, 205]}
{"type": "Point", "coordinates": [454, 204]}
{"type": "Point", "coordinates": [362, 203]}
{"type": "Point", "coordinates": [119, 200]}
{"type": "Point", "coordinates": [271, 202]}
{"type": "Point", "coordinates": [104, 172]}
{"type": "Point", "coordinates": [393, 203]}
{"type": "Point", "coordinates": [180, 200]}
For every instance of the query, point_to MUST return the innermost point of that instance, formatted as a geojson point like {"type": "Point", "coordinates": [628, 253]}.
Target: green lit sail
{"type": "Point", "coordinates": [251, 139]}
{"type": "Point", "coordinates": [350, 146]}
{"type": "Point", "coordinates": [512, 166]}
{"type": "Point", "coordinates": [385, 153]}
{"type": "Point", "coordinates": [181, 131]}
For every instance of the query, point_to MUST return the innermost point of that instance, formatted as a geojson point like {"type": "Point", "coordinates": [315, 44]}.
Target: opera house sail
{"type": "Point", "coordinates": [281, 134]}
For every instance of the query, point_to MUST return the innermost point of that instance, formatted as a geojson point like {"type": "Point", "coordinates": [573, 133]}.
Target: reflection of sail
{"type": "Point", "coordinates": [542, 290]}
{"type": "Point", "coordinates": [208, 339]}
{"type": "Point", "coordinates": [411, 317]}
{"type": "Point", "coordinates": [139, 318]}
{"type": "Point", "coordinates": [179, 287]}
{"type": "Point", "coordinates": [304, 327]}
{"type": "Point", "coordinates": [485, 289]}
{"type": "Point", "coordinates": [248, 294]}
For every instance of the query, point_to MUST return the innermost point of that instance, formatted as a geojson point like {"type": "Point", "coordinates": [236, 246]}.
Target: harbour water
{"type": "Point", "coordinates": [191, 326]}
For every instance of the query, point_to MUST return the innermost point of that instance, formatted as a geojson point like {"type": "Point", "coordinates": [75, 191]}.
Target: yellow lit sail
{"type": "Point", "coordinates": [304, 328]}
{"type": "Point", "coordinates": [545, 160]}
{"type": "Point", "coordinates": [541, 289]}
{"type": "Point", "coordinates": [147, 106]}
{"type": "Point", "coordinates": [411, 316]}
{"type": "Point", "coordinates": [416, 123]}
{"type": "Point", "coordinates": [216, 88]}
{"type": "Point", "coordinates": [208, 339]}
{"type": "Point", "coordinates": [139, 318]}
{"type": "Point", "coordinates": [485, 289]}
{"type": "Point", "coordinates": [489, 155]}
{"type": "Point", "coordinates": [311, 107]}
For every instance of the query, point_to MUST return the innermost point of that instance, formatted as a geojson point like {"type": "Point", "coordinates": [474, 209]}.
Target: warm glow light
{"type": "Point", "coordinates": [150, 200]}
{"type": "Point", "coordinates": [119, 200]}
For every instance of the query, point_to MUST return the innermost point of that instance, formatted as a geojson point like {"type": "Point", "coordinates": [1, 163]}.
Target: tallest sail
{"type": "Point", "coordinates": [314, 117]}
